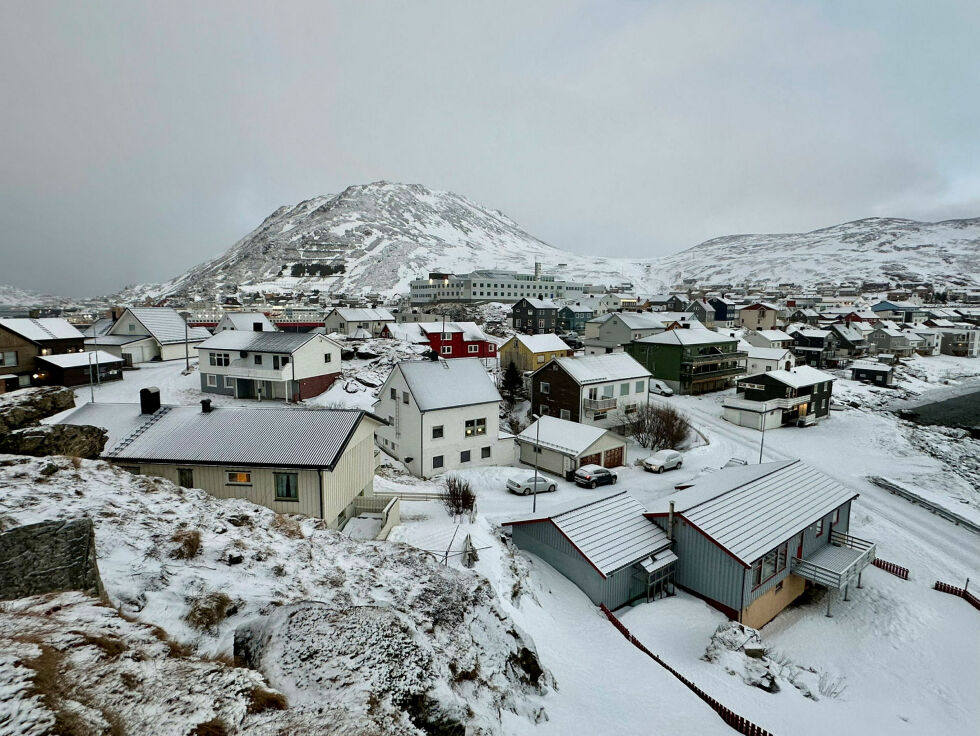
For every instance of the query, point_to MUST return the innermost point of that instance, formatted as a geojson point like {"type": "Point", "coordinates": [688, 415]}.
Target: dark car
{"type": "Point", "coordinates": [594, 475]}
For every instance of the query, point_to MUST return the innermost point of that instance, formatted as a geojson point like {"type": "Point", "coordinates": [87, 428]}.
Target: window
{"type": "Point", "coordinates": [185, 477]}
{"type": "Point", "coordinates": [819, 527]}
{"type": "Point", "coordinates": [437, 461]}
{"type": "Point", "coordinates": [239, 478]}
{"type": "Point", "coordinates": [836, 519]}
{"type": "Point", "coordinates": [287, 486]}
{"type": "Point", "coordinates": [212, 380]}
{"type": "Point", "coordinates": [404, 397]}
{"type": "Point", "coordinates": [464, 456]}
{"type": "Point", "coordinates": [485, 452]}
{"type": "Point", "coordinates": [275, 361]}
{"type": "Point", "coordinates": [565, 414]}
{"type": "Point", "coordinates": [544, 410]}
{"type": "Point", "coordinates": [640, 385]}
{"type": "Point", "coordinates": [472, 348]}
{"type": "Point", "coordinates": [437, 432]}
{"type": "Point", "coordinates": [545, 387]}
{"type": "Point", "coordinates": [132, 328]}
{"type": "Point", "coordinates": [491, 347]}
{"type": "Point", "coordinates": [540, 359]}
{"type": "Point", "coordinates": [394, 394]}
{"type": "Point", "coordinates": [624, 389]}
{"type": "Point", "coordinates": [446, 350]}
{"type": "Point", "coordinates": [607, 391]}
{"type": "Point", "coordinates": [219, 359]}
{"type": "Point", "coordinates": [8, 358]}
{"type": "Point", "coordinates": [476, 427]}
{"type": "Point", "coordinates": [229, 382]}
{"type": "Point", "coordinates": [258, 360]}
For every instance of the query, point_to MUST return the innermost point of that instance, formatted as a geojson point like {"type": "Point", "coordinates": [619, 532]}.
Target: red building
{"type": "Point", "coordinates": [446, 339]}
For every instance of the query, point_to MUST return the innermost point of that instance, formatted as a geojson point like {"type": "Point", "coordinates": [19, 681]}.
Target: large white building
{"type": "Point", "coordinates": [492, 286]}
{"type": "Point", "coordinates": [442, 415]}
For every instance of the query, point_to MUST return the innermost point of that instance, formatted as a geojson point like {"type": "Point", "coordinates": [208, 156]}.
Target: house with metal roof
{"type": "Point", "coordinates": [561, 447]}
{"type": "Point", "coordinates": [750, 539]}
{"type": "Point", "coordinates": [608, 548]}
{"type": "Point", "coordinates": [620, 328]}
{"type": "Point", "coordinates": [23, 340]}
{"type": "Point", "coordinates": [530, 352]}
{"type": "Point", "coordinates": [447, 339]}
{"type": "Point", "coordinates": [319, 463]}
{"type": "Point", "coordinates": [690, 360]}
{"type": "Point", "coordinates": [268, 365]}
{"type": "Point", "coordinates": [142, 334]}
{"type": "Point", "coordinates": [533, 316]}
{"type": "Point", "coordinates": [441, 415]}
{"type": "Point", "coordinates": [246, 322]}
{"type": "Point", "coordinates": [347, 321]}
{"type": "Point", "coordinates": [800, 396]}
{"type": "Point", "coordinates": [78, 369]}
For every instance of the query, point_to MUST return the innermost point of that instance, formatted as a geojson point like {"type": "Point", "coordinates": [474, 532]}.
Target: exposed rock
{"type": "Point", "coordinates": [26, 407]}
{"type": "Point", "coordinates": [47, 557]}
{"type": "Point", "coordinates": [55, 439]}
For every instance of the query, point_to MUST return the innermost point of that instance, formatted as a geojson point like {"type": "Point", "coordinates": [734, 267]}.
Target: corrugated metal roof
{"type": "Point", "coordinates": [446, 383]}
{"type": "Point", "coordinates": [688, 336]}
{"type": "Point", "coordinates": [246, 320]}
{"type": "Point", "coordinates": [259, 342]}
{"type": "Point", "coordinates": [73, 360]}
{"type": "Point", "coordinates": [599, 368]}
{"type": "Point", "coordinates": [272, 436]}
{"type": "Point", "coordinates": [569, 438]}
{"type": "Point", "coordinates": [749, 510]}
{"type": "Point", "coordinates": [39, 330]}
{"type": "Point", "coordinates": [166, 325]}
{"type": "Point", "coordinates": [364, 315]}
{"type": "Point", "coordinates": [543, 343]}
{"type": "Point", "coordinates": [801, 375]}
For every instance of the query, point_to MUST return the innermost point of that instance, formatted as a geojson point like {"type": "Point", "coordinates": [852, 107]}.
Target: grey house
{"type": "Point", "coordinates": [607, 548]}
{"type": "Point", "coordinates": [750, 539]}
{"type": "Point", "coordinates": [891, 340]}
{"type": "Point", "coordinates": [621, 328]}
{"type": "Point", "coordinates": [534, 316]}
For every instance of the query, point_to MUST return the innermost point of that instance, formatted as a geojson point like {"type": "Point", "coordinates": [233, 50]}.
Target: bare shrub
{"type": "Point", "coordinates": [458, 497]}
{"type": "Point", "coordinates": [287, 526]}
{"type": "Point", "coordinates": [657, 427]}
{"type": "Point", "coordinates": [207, 611]}
{"type": "Point", "coordinates": [214, 727]}
{"type": "Point", "coordinates": [188, 544]}
{"type": "Point", "coordinates": [261, 700]}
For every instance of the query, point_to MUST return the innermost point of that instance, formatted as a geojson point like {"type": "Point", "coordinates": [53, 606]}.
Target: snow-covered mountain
{"type": "Point", "coordinates": [378, 237]}
{"type": "Point", "coordinates": [13, 296]}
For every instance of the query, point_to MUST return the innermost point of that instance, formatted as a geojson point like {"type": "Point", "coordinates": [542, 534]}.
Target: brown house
{"type": "Point", "coordinates": [22, 341]}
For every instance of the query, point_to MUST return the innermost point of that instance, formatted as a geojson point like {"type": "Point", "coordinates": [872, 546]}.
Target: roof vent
{"type": "Point", "coordinates": [205, 406]}
{"type": "Point", "coordinates": [256, 327]}
{"type": "Point", "coordinates": [149, 400]}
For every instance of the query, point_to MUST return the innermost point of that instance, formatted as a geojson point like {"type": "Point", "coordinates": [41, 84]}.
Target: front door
{"type": "Point", "coordinates": [245, 388]}
{"type": "Point", "coordinates": [185, 477]}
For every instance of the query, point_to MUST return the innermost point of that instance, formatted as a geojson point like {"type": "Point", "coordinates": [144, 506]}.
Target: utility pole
{"type": "Point", "coordinates": [91, 382]}
{"type": "Point", "coordinates": [762, 443]}
{"type": "Point", "coordinates": [537, 451]}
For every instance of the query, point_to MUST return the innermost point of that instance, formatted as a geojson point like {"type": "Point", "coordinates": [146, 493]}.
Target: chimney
{"type": "Point", "coordinates": [205, 406]}
{"type": "Point", "coordinates": [149, 400]}
{"type": "Point", "coordinates": [537, 270]}
{"type": "Point", "coordinates": [256, 327]}
{"type": "Point", "coordinates": [670, 522]}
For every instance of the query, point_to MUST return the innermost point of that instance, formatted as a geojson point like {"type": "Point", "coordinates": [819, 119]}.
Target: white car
{"type": "Point", "coordinates": [526, 486]}
{"type": "Point", "coordinates": [659, 387]}
{"type": "Point", "coordinates": [658, 462]}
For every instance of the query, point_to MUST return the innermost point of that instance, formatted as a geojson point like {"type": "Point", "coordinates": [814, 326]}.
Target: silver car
{"type": "Point", "coordinates": [658, 462]}
{"type": "Point", "coordinates": [527, 486]}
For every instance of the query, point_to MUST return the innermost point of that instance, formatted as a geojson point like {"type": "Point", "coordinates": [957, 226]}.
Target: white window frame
{"type": "Point", "coordinates": [212, 380]}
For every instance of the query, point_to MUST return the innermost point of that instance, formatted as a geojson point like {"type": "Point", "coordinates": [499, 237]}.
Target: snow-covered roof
{"type": "Point", "coordinates": [407, 332]}
{"type": "Point", "coordinates": [100, 327]}
{"type": "Point", "coordinates": [610, 533]}
{"type": "Point", "coordinates": [642, 320]}
{"type": "Point", "coordinates": [868, 365]}
{"type": "Point", "coordinates": [543, 343]}
{"type": "Point", "coordinates": [259, 342]}
{"type": "Point", "coordinates": [749, 510]}
{"type": "Point", "coordinates": [226, 435]}
{"type": "Point", "coordinates": [115, 339]}
{"type": "Point", "coordinates": [166, 326]}
{"type": "Point", "coordinates": [73, 360]}
{"type": "Point", "coordinates": [774, 335]}
{"type": "Point", "coordinates": [45, 328]}
{"type": "Point", "coordinates": [766, 353]}
{"type": "Point", "coordinates": [364, 315]}
{"type": "Point", "coordinates": [801, 375]}
{"type": "Point", "coordinates": [541, 303]}
{"type": "Point", "coordinates": [688, 336]}
{"type": "Point", "coordinates": [600, 368]}
{"type": "Point", "coordinates": [442, 384]}
{"type": "Point", "coordinates": [851, 334]}
{"type": "Point", "coordinates": [813, 334]}
{"type": "Point", "coordinates": [568, 438]}
{"type": "Point", "coordinates": [246, 321]}
{"type": "Point", "coordinates": [471, 330]}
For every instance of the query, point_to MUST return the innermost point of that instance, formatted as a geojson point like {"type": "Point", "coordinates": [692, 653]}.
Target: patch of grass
{"type": "Point", "coordinates": [188, 544]}
{"type": "Point", "coordinates": [207, 611]}
{"type": "Point", "coordinates": [261, 700]}
{"type": "Point", "coordinates": [287, 526]}
{"type": "Point", "coordinates": [214, 727]}
{"type": "Point", "coordinates": [111, 646]}
{"type": "Point", "coordinates": [51, 686]}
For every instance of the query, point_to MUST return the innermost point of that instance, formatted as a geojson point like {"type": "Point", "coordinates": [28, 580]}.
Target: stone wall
{"type": "Point", "coordinates": [48, 557]}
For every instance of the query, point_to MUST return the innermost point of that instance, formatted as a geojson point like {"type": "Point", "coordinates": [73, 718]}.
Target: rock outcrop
{"type": "Point", "coordinates": [26, 407]}
{"type": "Point", "coordinates": [48, 557]}
{"type": "Point", "coordinates": [55, 439]}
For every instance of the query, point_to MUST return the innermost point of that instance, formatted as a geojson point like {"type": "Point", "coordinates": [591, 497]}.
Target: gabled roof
{"type": "Point", "coordinates": [100, 327]}
{"type": "Point", "coordinates": [260, 342]}
{"type": "Point", "coordinates": [749, 510]}
{"type": "Point", "coordinates": [540, 303]}
{"type": "Point", "coordinates": [868, 365]}
{"type": "Point", "coordinates": [364, 315]}
{"type": "Point", "coordinates": [561, 435]}
{"type": "Point", "coordinates": [774, 335]}
{"type": "Point", "coordinates": [546, 342]}
{"type": "Point", "coordinates": [41, 330]}
{"type": "Point", "coordinates": [246, 321]}
{"type": "Point", "coordinates": [232, 436]}
{"type": "Point", "coordinates": [443, 384]}
{"type": "Point", "coordinates": [74, 360]}
{"type": "Point", "coordinates": [766, 353]}
{"type": "Point", "coordinates": [761, 306]}
{"type": "Point", "coordinates": [813, 334]}
{"type": "Point", "coordinates": [641, 320]}
{"type": "Point", "coordinates": [600, 368]}
{"type": "Point", "coordinates": [801, 375]}
{"type": "Point", "coordinates": [610, 533]}
{"type": "Point", "coordinates": [165, 326]}
{"type": "Point", "coordinates": [471, 330]}
{"type": "Point", "coordinates": [688, 336]}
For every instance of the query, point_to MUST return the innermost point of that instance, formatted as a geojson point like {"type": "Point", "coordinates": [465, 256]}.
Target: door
{"type": "Point", "coordinates": [590, 460]}
{"type": "Point", "coordinates": [244, 389]}
{"type": "Point", "coordinates": [185, 477]}
{"type": "Point", "coordinates": [613, 458]}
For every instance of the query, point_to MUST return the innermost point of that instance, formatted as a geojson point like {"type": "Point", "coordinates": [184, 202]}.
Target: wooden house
{"type": "Point", "coordinates": [534, 316]}
{"type": "Point", "coordinates": [24, 340]}
{"type": "Point", "coordinates": [800, 396]}
{"type": "Point", "coordinates": [561, 447]}
{"type": "Point", "coordinates": [690, 361]}
{"type": "Point", "coordinates": [530, 352]}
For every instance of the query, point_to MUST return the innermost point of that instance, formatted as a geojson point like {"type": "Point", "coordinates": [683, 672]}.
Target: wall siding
{"type": "Point", "coordinates": [703, 567]}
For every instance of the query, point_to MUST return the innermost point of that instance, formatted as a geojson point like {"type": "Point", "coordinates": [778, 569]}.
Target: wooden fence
{"type": "Point", "coordinates": [897, 570]}
{"type": "Point", "coordinates": [961, 592]}
{"type": "Point", "coordinates": [733, 719]}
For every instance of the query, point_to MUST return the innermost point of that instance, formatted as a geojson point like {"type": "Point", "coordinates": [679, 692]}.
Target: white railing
{"type": "Point", "coordinates": [600, 404]}
{"type": "Point", "coordinates": [838, 578]}
{"type": "Point", "coordinates": [388, 506]}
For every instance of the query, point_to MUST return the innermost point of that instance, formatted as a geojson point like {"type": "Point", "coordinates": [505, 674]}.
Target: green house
{"type": "Point", "coordinates": [690, 361]}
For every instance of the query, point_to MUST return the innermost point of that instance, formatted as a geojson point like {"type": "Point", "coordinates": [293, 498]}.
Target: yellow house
{"type": "Point", "coordinates": [530, 352]}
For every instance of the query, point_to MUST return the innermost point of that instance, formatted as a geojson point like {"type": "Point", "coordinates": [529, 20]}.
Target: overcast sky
{"type": "Point", "coordinates": [138, 139]}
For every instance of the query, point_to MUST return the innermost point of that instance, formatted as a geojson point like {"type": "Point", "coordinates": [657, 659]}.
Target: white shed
{"type": "Point", "coordinates": [562, 446]}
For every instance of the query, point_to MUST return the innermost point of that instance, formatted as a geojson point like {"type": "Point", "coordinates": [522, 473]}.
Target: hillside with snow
{"type": "Point", "coordinates": [13, 296]}
{"type": "Point", "coordinates": [378, 237]}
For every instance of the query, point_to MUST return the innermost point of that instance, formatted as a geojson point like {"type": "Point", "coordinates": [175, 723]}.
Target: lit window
{"type": "Point", "coordinates": [240, 478]}
{"type": "Point", "coordinates": [476, 427]}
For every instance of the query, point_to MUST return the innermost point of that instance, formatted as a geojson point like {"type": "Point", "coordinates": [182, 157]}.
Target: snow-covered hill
{"type": "Point", "coordinates": [378, 237]}
{"type": "Point", "coordinates": [14, 296]}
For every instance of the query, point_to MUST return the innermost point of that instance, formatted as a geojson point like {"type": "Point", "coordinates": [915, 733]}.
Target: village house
{"type": "Point", "coordinates": [77, 369]}
{"type": "Point", "coordinates": [750, 539]}
{"type": "Point", "coordinates": [534, 316]}
{"type": "Point", "coordinates": [690, 361]}
{"type": "Point", "coordinates": [446, 339]}
{"type": "Point", "coordinates": [614, 331]}
{"type": "Point", "coordinates": [811, 347]}
{"type": "Point", "coordinates": [926, 339]}
{"type": "Point", "coordinates": [726, 311]}
{"type": "Point", "coordinates": [572, 317]}
{"type": "Point", "coordinates": [768, 338]}
{"type": "Point", "coordinates": [887, 338]}
{"type": "Point", "coordinates": [143, 334]}
{"type": "Point", "coordinates": [704, 311]}
{"type": "Point", "coordinates": [880, 374]}
{"type": "Point", "coordinates": [806, 315]}
{"type": "Point", "coordinates": [324, 470]}
{"type": "Point", "coordinates": [357, 322]}
{"type": "Point", "coordinates": [601, 390]}
{"type": "Point", "coordinates": [23, 340]}
{"type": "Point", "coordinates": [289, 366]}
{"type": "Point", "coordinates": [899, 311]}
{"type": "Point", "coordinates": [847, 341]}
{"type": "Point", "coordinates": [963, 340]}
{"type": "Point", "coordinates": [530, 352]}
{"type": "Point", "coordinates": [441, 415]}
{"type": "Point", "coordinates": [759, 316]}
{"type": "Point", "coordinates": [561, 447]}
{"type": "Point", "coordinates": [245, 321]}
{"type": "Point", "coordinates": [761, 360]}
{"type": "Point", "coordinates": [800, 396]}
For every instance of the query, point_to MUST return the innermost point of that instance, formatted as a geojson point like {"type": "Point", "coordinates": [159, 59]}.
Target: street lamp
{"type": "Point", "coordinates": [537, 450]}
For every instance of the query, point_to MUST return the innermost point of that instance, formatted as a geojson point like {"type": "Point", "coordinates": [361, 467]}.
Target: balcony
{"type": "Point", "coordinates": [691, 375]}
{"type": "Point", "coordinates": [838, 564]}
{"type": "Point", "coordinates": [246, 368]}
{"type": "Point", "coordinates": [599, 404]}
{"type": "Point", "coordinates": [690, 360]}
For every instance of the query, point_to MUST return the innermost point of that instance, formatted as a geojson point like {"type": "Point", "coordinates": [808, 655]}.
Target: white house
{"type": "Point", "coordinates": [245, 321]}
{"type": "Point", "coordinates": [268, 365]}
{"type": "Point", "coordinates": [142, 334]}
{"type": "Point", "coordinates": [760, 360]}
{"type": "Point", "coordinates": [561, 447]}
{"type": "Point", "coordinates": [442, 415]}
{"type": "Point", "coordinates": [345, 321]}
{"type": "Point", "coordinates": [768, 338]}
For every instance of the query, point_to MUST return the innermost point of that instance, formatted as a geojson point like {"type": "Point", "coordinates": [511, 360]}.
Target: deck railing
{"type": "Point", "coordinates": [599, 404]}
{"type": "Point", "coordinates": [834, 578]}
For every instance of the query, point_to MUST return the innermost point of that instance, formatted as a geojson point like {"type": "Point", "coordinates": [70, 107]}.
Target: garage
{"type": "Point", "coordinates": [613, 457]}
{"type": "Point", "coordinates": [559, 446]}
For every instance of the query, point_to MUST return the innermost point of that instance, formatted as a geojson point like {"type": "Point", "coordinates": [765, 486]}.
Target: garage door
{"type": "Point", "coordinates": [613, 458]}
{"type": "Point", "coordinates": [590, 460]}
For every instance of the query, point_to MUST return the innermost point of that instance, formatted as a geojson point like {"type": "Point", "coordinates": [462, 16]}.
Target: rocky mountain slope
{"type": "Point", "coordinates": [378, 237]}
{"type": "Point", "coordinates": [13, 296]}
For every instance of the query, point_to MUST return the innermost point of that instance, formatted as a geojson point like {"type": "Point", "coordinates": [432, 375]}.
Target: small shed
{"type": "Point", "coordinates": [880, 374]}
{"type": "Point", "coordinates": [562, 446]}
{"type": "Point", "coordinates": [608, 548]}
{"type": "Point", "coordinates": [78, 369]}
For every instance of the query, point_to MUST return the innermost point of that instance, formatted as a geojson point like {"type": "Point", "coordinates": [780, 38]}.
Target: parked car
{"type": "Point", "coordinates": [594, 475]}
{"type": "Point", "coordinates": [659, 387]}
{"type": "Point", "coordinates": [573, 342]}
{"type": "Point", "coordinates": [658, 462]}
{"type": "Point", "coordinates": [526, 486]}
